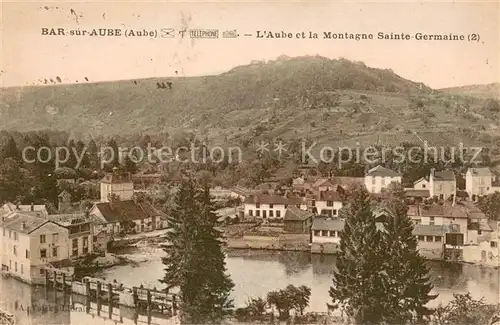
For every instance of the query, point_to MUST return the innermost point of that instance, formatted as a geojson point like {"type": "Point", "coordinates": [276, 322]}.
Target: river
{"type": "Point", "coordinates": [254, 274]}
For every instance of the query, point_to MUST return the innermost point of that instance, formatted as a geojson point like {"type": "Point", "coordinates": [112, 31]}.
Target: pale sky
{"type": "Point", "coordinates": [27, 56]}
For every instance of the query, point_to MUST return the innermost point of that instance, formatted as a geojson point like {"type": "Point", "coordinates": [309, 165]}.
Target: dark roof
{"type": "Point", "coordinates": [296, 214]}
{"type": "Point", "coordinates": [417, 193]}
{"type": "Point", "coordinates": [329, 196]}
{"type": "Point", "coordinates": [445, 210]}
{"type": "Point", "coordinates": [240, 190]}
{"type": "Point", "coordinates": [116, 179]}
{"type": "Point", "coordinates": [126, 210]}
{"type": "Point", "coordinates": [382, 171]}
{"type": "Point", "coordinates": [429, 230]}
{"type": "Point", "coordinates": [30, 223]}
{"type": "Point", "coordinates": [268, 199]}
{"type": "Point", "coordinates": [482, 171]}
{"type": "Point", "coordinates": [328, 224]}
{"type": "Point", "coordinates": [444, 175]}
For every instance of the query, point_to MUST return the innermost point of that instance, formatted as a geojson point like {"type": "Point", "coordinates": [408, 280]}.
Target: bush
{"type": "Point", "coordinates": [492, 105]}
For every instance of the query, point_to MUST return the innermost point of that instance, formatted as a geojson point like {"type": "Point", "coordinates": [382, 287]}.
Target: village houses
{"type": "Point", "coordinates": [118, 217]}
{"type": "Point", "coordinates": [326, 203]}
{"type": "Point", "coordinates": [30, 244]}
{"type": "Point", "coordinates": [268, 206]}
{"type": "Point", "coordinates": [480, 182]}
{"type": "Point", "coordinates": [442, 184]}
{"type": "Point", "coordinates": [297, 221]}
{"type": "Point", "coordinates": [379, 178]}
{"type": "Point", "coordinates": [120, 186]}
{"type": "Point", "coordinates": [80, 227]}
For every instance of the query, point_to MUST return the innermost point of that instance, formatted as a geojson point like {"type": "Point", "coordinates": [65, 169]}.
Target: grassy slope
{"type": "Point", "coordinates": [314, 97]}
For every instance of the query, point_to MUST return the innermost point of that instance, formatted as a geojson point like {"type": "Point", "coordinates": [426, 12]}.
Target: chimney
{"type": "Point", "coordinates": [32, 208]}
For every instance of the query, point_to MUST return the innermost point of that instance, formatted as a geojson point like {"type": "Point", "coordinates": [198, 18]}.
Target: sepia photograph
{"type": "Point", "coordinates": [249, 162]}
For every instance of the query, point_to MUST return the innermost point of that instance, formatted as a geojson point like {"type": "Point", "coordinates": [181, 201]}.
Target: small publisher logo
{"type": "Point", "coordinates": [204, 33]}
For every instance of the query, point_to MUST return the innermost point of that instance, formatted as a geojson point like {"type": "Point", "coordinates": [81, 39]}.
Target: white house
{"type": "Point", "coordinates": [479, 182]}
{"type": "Point", "coordinates": [29, 244]}
{"type": "Point", "coordinates": [421, 184]}
{"type": "Point", "coordinates": [326, 230]}
{"type": "Point", "coordinates": [268, 206]}
{"type": "Point", "coordinates": [113, 184]}
{"type": "Point", "coordinates": [10, 209]}
{"type": "Point", "coordinates": [442, 184]}
{"type": "Point", "coordinates": [379, 178]}
{"type": "Point", "coordinates": [328, 204]}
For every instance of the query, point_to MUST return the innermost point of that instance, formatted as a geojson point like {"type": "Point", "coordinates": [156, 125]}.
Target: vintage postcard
{"type": "Point", "coordinates": [284, 162]}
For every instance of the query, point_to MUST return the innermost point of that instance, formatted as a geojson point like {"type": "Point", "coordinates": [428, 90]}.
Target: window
{"type": "Point", "coordinates": [441, 196]}
{"type": "Point", "coordinates": [27, 254]}
{"type": "Point", "coordinates": [332, 233]}
{"type": "Point", "coordinates": [324, 233]}
{"type": "Point", "coordinates": [74, 247]}
{"type": "Point", "coordinates": [313, 203]}
{"type": "Point", "coordinates": [85, 241]}
{"type": "Point", "coordinates": [257, 213]}
{"type": "Point", "coordinates": [15, 236]}
{"type": "Point", "coordinates": [14, 250]}
{"type": "Point", "coordinates": [421, 238]}
{"type": "Point", "coordinates": [43, 253]}
{"type": "Point", "coordinates": [257, 205]}
{"type": "Point", "coordinates": [278, 214]}
{"type": "Point", "coordinates": [479, 232]}
{"type": "Point", "coordinates": [42, 272]}
{"type": "Point", "coordinates": [429, 238]}
{"type": "Point", "coordinates": [271, 206]}
{"type": "Point", "coordinates": [85, 249]}
{"type": "Point", "coordinates": [54, 251]}
{"type": "Point", "coordinates": [329, 203]}
{"type": "Point", "coordinates": [316, 233]}
{"type": "Point", "coordinates": [42, 239]}
{"type": "Point", "coordinates": [15, 266]}
{"type": "Point", "coordinates": [423, 185]}
{"type": "Point", "coordinates": [431, 221]}
{"type": "Point", "coordinates": [250, 213]}
{"type": "Point", "coordinates": [493, 244]}
{"type": "Point", "coordinates": [437, 238]}
{"type": "Point", "coordinates": [55, 238]}
{"type": "Point", "coordinates": [334, 212]}
{"type": "Point", "coordinates": [382, 181]}
{"type": "Point", "coordinates": [22, 271]}
{"type": "Point", "coordinates": [271, 213]}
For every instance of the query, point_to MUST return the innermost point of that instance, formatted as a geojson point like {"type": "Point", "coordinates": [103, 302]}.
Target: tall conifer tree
{"type": "Point", "coordinates": [357, 287]}
{"type": "Point", "coordinates": [407, 279]}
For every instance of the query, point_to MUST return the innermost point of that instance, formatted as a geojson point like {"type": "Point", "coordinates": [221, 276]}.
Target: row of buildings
{"type": "Point", "coordinates": [448, 227]}
{"type": "Point", "coordinates": [33, 240]}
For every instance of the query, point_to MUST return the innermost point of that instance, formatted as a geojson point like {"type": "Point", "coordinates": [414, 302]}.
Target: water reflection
{"type": "Point", "coordinates": [254, 272]}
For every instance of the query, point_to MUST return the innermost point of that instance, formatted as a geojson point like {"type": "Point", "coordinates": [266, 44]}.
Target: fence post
{"type": "Point", "coordinates": [135, 296]}
{"type": "Point", "coordinates": [148, 295]}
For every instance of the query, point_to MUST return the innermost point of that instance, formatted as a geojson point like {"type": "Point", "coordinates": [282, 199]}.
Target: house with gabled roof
{"type": "Point", "coordinates": [118, 216]}
{"type": "Point", "coordinates": [29, 244]}
{"type": "Point", "coordinates": [379, 178]}
{"type": "Point", "coordinates": [268, 206]}
{"type": "Point", "coordinates": [479, 182]}
{"type": "Point", "coordinates": [442, 184]}
{"type": "Point", "coordinates": [297, 221]}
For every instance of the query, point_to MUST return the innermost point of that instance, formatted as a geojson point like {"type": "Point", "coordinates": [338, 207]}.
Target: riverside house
{"type": "Point", "coordinates": [81, 240]}
{"type": "Point", "coordinates": [325, 234]}
{"type": "Point", "coordinates": [268, 206]}
{"type": "Point", "coordinates": [29, 244]}
{"type": "Point", "coordinates": [119, 217]}
{"type": "Point", "coordinates": [297, 221]}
